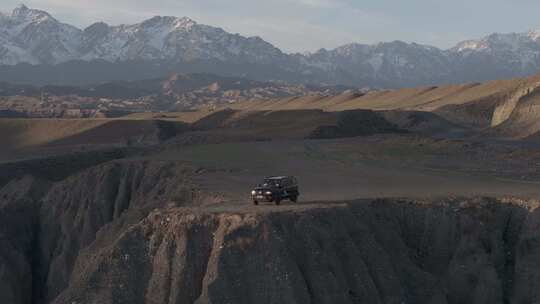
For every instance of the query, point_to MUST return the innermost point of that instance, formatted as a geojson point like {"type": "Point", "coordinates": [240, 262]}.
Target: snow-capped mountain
{"type": "Point", "coordinates": [34, 36]}
{"type": "Point", "coordinates": [398, 64]}
{"type": "Point", "coordinates": [162, 45]}
{"type": "Point", "coordinates": [171, 38]}
{"type": "Point", "coordinates": [511, 42]}
{"type": "Point", "coordinates": [383, 64]}
{"type": "Point", "coordinates": [521, 50]}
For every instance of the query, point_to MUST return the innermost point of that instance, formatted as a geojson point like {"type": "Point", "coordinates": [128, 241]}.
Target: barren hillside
{"type": "Point", "coordinates": [131, 241]}
{"type": "Point", "coordinates": [477, 251]}
{"type": "Point", "coordinates": [155, 207]}
{"type": "Point", "coordinates": [505, 106]}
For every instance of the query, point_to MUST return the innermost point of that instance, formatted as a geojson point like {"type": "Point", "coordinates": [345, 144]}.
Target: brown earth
{"type": "Point", "coordinates": [19, 201]}
{"type": "Point", "coordinates": [177, 227]}
{"type": "Point", "coordinates": [503, 107]}
{"type": "Point", "coordinates": [111, 235]}
{"type": "Point", "coordinates": [370, 167]}
{"type": "Point", "coordinates": [74, 211]}
{"type": "Point", "coordinates": [149, 209]}
{"type": "Point", "coordinates": [498, 108]}
{"type": "Point", "coordinates": [143, 232]}
{"type": "Point", "coordinates": [476, 251]}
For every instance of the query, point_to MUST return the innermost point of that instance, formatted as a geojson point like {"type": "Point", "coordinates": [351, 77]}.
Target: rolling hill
{"type": "Point", "coordinates": [505, 107]}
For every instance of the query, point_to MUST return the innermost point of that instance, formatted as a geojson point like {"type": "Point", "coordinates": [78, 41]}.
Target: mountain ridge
{"type": "Point", "coordinates": [30, 36]}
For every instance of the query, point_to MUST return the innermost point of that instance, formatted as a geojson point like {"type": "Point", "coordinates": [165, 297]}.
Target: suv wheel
{"type": "Point", "coordinates": [294, 199]}
{"type": "Point", "coordinates": [278, 201]}
{"type": "Point", "coordinates": [255, 202]}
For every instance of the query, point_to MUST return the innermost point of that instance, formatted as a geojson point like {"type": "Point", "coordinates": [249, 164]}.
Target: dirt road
{"type": "Point", "coordinates": [230, 170]}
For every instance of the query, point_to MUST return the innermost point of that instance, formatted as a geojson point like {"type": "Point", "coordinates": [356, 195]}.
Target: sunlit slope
{"type": "Point", "coordinates": [493, 105]}
{"type": "Point", "coordinates": [423, 98]}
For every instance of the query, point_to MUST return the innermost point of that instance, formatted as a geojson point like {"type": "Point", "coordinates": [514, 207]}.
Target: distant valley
{"type": "Point", "coordinates": [174, 93]}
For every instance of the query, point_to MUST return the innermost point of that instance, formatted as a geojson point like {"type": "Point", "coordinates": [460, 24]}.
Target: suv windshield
{"type": "Point", "coordinates": [271, 183]}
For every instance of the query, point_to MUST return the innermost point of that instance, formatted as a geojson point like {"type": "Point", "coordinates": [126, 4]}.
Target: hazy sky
{"type": "Point", "coordinates": [307, 25]}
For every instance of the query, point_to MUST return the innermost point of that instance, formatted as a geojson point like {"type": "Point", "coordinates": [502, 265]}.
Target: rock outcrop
{"type": "Point", "coordinates": [45, 225]}
{"type": "Point", "coordinates": [480, 251]}
{"type": "Point", "coordinates": [18, 216]}
{"type": "Point", "coordinates": [118, 194]}
{"type": "Point", "coordinates": [138, 231]}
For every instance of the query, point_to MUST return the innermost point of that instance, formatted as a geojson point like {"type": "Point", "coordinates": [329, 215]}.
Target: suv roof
{"type": "Point", "coordinates": [278, 177]}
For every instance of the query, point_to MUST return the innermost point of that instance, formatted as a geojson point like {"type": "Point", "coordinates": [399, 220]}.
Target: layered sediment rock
{"type": "Point", "coordinates": [18, 216]}
{"type": "Point", "coordinates": [381, 252]}
{"type": "Point", "coordinates": [116, 194]}
{"type": "Point", "coordinates": [138, 232]}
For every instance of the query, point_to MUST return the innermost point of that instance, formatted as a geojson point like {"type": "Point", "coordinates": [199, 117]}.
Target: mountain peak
{"type": "Point", "coordinates": [514, 41]}
{"type": "Point", "coordinates": [22, 12]}
{"type": "Point", "coordinates": [184, 23]}
{"type": "Point", "coordinates": [534, 34]}
{"type": "Point", "coordinates": [21, 7]}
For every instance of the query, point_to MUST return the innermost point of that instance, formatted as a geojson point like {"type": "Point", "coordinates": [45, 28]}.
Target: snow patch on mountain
{"type": "Point", "coordinates": [35, 37]}
{"type": "Point", "coordinates": [23, 14]}
{"type": "Point", "coordinates": [495, 42]}
{"type": "Point", "coordinates": [533, 34]}
{"type": "Point", "coordinates": [376, 62]}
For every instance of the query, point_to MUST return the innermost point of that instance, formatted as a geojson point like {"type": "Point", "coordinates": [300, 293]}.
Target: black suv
{"type": "Point", "coordinates": [275, 189]}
